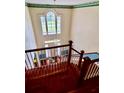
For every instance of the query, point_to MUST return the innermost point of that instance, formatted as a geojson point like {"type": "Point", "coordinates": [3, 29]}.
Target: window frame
{"type": "Point", "coordinates": [46, 25]}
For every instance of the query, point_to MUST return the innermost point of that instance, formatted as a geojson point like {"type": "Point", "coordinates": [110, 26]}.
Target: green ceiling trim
{"type": "Point", "coordinates": [49, 6]}
{"type": "Point", "coordinates": [90, 4]}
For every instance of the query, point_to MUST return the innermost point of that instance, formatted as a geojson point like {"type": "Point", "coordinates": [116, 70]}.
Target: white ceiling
{"type": "Point", "coordinates": [60, 2]}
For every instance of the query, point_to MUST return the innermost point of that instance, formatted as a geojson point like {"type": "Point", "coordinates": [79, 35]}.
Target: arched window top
{"type": "Point", "coordinates": [50, 14]}
{"type": "Point", "coordinates": [50, 18]}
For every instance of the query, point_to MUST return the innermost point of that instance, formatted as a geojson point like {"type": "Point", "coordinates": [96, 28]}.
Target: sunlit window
{"type": "Point", "coordinates": [51, 24]}
{"type": "Point", "coordinates": [52, 42]}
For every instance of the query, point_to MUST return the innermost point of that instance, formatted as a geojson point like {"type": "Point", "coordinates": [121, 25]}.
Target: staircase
{"type": "Point", "coordinates": [67, 75]}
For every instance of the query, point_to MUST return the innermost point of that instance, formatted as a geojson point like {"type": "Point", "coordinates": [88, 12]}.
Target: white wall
{"type": "Point", "coordinates": [80, 25]}
{"type": "Point", "coordinates": [29, 34]}
{"type": "Point", "coordinates": [85, 28]}
{"type": "Point", "coordinates": [66, 24]}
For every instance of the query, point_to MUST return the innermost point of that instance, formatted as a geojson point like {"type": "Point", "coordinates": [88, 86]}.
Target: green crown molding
{"type": "Point", "coordinates": [48, 6]}
{"type": "Point", "coordinates": [90, 4]}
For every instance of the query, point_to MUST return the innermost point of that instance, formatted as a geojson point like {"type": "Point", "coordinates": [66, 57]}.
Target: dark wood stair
{"type": "Point", "coordinates": [57, 83]}
{"type": "Point", "coordinates": [63, 82]}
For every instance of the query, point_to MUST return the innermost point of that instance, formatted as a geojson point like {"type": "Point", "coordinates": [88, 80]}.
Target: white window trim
{"type": "Point", "coordinates": [44, 14]}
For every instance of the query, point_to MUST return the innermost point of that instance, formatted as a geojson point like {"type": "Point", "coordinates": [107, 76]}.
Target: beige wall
{"type": "Point", "coordinates": [66, 24]}
{"type": "Point", "coordinates": [79, 24]}
{"type": "Point", "coordinates": [29, 33]}
{"type": "Point", "coordinates": [85, 28]}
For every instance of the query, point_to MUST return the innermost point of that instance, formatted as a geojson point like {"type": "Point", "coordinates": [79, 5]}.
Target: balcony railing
{"type": "Point", "coordinates": [39, 64]}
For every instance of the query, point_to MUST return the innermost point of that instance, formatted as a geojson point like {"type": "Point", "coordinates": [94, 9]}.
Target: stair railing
{"type": "Point", "coordinates": [41, 56]}
{"type": "Point", "coordinates": [34, 58]}
{"type": "Point", "coordinates": [76, 57]}
{"type": "Point", "coordinates": [89, 68]}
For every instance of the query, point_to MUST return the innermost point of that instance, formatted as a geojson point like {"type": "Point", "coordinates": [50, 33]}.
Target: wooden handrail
{"type": "Point", "coordinates": [38, 49]}
{"type": "Point", "coordinates": [75, 50]}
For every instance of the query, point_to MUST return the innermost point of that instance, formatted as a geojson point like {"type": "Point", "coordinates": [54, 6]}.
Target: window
{"type": "Point", "coordinates": [49, 43]}
{"type": "Point", "coordinates": [51, 24]}
{"type": "Point", "coordinates": [47, 51]}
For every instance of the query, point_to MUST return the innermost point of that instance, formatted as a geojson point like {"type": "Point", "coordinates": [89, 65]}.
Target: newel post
{"type": "Point", "coordinates": [84, 69]}
{"type": "Point", "coordinates": [69, 54]}
{"type": "Point", "coordinates": [80, 59]}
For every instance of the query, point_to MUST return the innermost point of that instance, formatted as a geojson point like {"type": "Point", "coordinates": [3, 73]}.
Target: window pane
{"type": "Point", "coordinates": [59, 50]}
{"type": "Point", "coordinates": [42, 54]}
{"type": "Point", "coordinates": [58, 24]}
{"type": "Point", "coordinates": [43, 23]}
{"type": "Point", "coordinates": [47, 51]}
{"type": "Point", "coordinates": [51, 23]}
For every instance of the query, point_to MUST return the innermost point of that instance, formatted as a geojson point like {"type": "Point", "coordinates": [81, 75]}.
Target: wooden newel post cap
{"type": "Point", "coordinates": [82, 51]}
{"type": "Point", "coordinates": [70, 41]}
